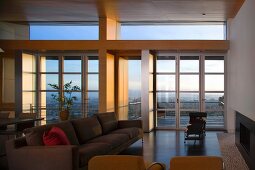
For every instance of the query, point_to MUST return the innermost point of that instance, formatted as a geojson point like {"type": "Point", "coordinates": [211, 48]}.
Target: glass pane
{"type": "Point", "coordinates": [166, 82]}
{"type": "Point", "coordinates": [47, 79]}
{"type": "Point", "coordinates": [28, 63]}
{"type": "Point", "coordinates": [93, 66]}
{"type": "Point", "coordinates": [92, 103]}
{"type": "Point", "coordinates": [28, 81]}
{"type": "Point", "coordinates": [93, 82]}
{"type": "Point", "coordinates": [64, 32]}
{"type": "Point", "coordinates": [214, 66]}
{"type": "Point", "coordinates": [189, 64]}
{"type": "Point", "coordinates": [188, 102]}
{"type": "Point", "coordinates": [214, 101]}
{"type": "Point", "coordinates": [75, 78]}
{"type": "Point", "coordinates": [174, 31]}
{"type": "Point", "coordinates": [214, 82]}
{"type": "Point", "coordinates": [134, 110]}
{"type": "Point", "coordinates": [166, 115]}
{"type": "Point", "coordinates": [166, 65]}
{"type": "Point", "coordinates": [215, 119]}
{"type": "Point", "coordinates": [72, 64]}
{"type": "Point", "coordinates": [134, 90]}
{"type": "Point", "coordinates": [134, 79]}
{"type": "Point", "coordinates": [189, 82]}
{"type": "Point", "coordinates": [49, 107]}
{"type": "Point", "coordinates": [49, 64]}
{"type": "Point", "coordinates": [76, 109]}
{"type": "Point", "coordinates": [28, 100]}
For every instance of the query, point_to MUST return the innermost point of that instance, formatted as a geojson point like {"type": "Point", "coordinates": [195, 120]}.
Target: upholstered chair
{"type": "Point", "coordinates": [196, 163]}
{"type": "Point", "coordinates": [122, 162]}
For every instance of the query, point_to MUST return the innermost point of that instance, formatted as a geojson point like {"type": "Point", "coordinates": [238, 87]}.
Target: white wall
{"type": "Point", "coordinates": [241, 64]}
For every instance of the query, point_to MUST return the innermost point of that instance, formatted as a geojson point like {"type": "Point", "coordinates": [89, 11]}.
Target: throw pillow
{"type": "Point", "coordinates": [55, 136]}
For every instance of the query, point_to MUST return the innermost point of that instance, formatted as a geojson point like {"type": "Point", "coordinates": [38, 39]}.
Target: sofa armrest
{"type": "Point", "coordinates": [130, 123]}
{"type": "Point", "coordinates": [42, 157]}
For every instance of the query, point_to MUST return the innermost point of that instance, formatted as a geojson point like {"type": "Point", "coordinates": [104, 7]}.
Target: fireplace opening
{"type": "Point", "coordinates": [245, 137]}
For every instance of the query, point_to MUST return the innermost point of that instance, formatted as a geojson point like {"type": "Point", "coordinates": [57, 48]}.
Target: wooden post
{"type": "Point", "coordinates": [106, 81]}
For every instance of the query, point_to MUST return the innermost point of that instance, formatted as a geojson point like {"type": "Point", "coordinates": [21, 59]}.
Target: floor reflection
{"type": "Point", "coordinates": [162, 145]}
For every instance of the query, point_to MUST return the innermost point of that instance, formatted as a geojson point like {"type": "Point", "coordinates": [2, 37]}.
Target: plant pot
{"type": "Point", "coordinates": [64, 115]}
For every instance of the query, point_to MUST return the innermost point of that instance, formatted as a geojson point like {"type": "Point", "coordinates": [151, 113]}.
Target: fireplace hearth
{"type": "Point", "coordinates": [245, 138]}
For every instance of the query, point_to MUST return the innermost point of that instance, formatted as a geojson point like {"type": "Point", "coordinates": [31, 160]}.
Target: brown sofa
{"type": "Point", "coordinates": [102, 134]}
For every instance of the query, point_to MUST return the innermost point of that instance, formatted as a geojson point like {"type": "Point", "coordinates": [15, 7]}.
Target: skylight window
{"type": "Point", "coordinates": [211, 31]}
{"type": "Point", "coordinates": [64, 32]}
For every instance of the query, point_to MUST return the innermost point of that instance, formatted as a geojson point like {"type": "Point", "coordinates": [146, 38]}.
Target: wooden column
{"type": "Point", "coordinates": [109, 29]}
{"type": "Point", "coordinates": [106, 81]}
{"type": "Point", "coordinates": [147, 91]}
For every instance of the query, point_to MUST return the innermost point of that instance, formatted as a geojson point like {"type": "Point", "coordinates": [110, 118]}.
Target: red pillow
{"type": "Point", "coordinates": [55, 136]}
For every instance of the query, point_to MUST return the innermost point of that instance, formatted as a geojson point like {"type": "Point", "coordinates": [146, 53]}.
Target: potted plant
{"type": "Point", "coordinates": [66, 99]}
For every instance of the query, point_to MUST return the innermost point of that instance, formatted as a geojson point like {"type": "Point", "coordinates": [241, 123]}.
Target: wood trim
{"type": "Point", "coordinates": [44, 45]}
{"type": "Point", "coordinates": [235, 9]}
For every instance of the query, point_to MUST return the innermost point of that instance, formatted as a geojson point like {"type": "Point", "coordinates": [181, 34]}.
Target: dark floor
{"type": "Point", "coordinates": [162, 145]}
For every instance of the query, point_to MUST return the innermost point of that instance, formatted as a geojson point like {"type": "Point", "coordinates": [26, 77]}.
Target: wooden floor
{"type": "Point", "coordinates": [162, 145]}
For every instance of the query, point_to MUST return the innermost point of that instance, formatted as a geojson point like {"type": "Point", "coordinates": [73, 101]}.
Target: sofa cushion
{"type": "Point", "coordinates": [87, 151]}
{"type": "Point", "coordinates": [34, 136]}
{"type": "Point", "coordinates": [114, 140]}
{"type": "Point", "coordinates": [55, 136]}
{"type": "Point", "coordinates": [108, 121]}
{"type": "Point", "coordinates": [131, 132]}
{"type": "Point", "coordinates": [87, 128]}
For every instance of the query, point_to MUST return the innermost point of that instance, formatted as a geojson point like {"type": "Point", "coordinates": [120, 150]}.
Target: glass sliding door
{"type": "Point", "coordinates": [214, 91]}
{"type": "Point", "coordinates": [188, 87]}
{"type": "Point", "coordinates": [92, 86]}
{"type": "Point", "coordinates": [64, 67]}
{"type": "Point", "coordinates": [166, 91]}
{"type": "Point", "coordinates": [28, 82]}
{"type": "Point", "coordinates": [72, 72]}
{"type": "Point", "coordinates": [189, 83]}
{"type": "Point", "coordinates": [49, 74]}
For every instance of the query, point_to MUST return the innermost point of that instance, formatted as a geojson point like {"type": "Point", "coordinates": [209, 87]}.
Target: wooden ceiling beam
{"type": "Point", "coordinates": [44, 45]}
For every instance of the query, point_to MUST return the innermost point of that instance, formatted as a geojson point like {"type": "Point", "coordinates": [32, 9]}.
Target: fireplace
{"type": "Point", "coordinates": [245, 138]}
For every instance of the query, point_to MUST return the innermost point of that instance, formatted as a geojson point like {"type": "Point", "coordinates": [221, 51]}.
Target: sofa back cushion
{"type": "Point", "coordinates": [87, 128]}
{"type": "Point", "coordinates": [108, 121]}
{"type": "Point", "coordinates": [34, 136]}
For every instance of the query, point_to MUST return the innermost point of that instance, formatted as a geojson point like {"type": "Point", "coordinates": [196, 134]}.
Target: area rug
{"type": "Point", "coordinates": [232, 158]}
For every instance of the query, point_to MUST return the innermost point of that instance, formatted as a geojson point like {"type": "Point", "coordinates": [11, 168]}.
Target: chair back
{"type": "Point", "coordinates": [116, 162]}
{"type": "Point", "coordinates": [27, 116]}
{"type": "Point", "coordinates": [196, 163]}
{"type": "Point", "coordinates": [197, 117]}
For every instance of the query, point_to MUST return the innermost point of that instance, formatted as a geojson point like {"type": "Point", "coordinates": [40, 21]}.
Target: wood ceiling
{"type": "Point", "coordinates": [121, 10]}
